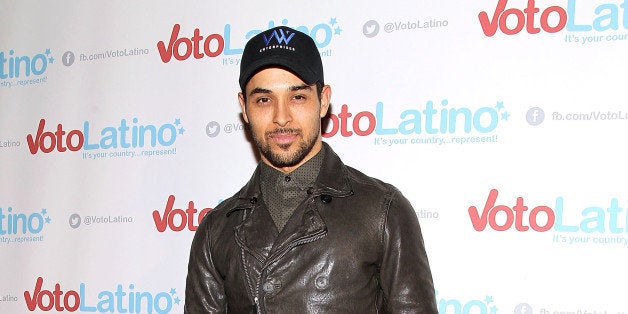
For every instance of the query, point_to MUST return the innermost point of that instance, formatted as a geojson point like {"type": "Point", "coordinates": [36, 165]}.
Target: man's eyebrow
{"type": "Point", "coordinates": [300, 87]}
{"type": "Point", "coordinates": [294, 88]}
{"type": "Point", "coordinates": [259, 90]}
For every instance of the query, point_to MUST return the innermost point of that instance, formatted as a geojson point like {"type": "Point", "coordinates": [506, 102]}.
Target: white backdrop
{"type": "Point", "coordinates": [119, 128]}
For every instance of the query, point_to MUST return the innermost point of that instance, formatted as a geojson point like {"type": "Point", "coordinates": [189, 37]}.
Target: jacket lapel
{"type": "Point", "coordinates": [258, 235]}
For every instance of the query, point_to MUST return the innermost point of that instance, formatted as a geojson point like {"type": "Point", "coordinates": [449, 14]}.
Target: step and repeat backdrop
{"type": "Point", "coordinates": [504, 123]}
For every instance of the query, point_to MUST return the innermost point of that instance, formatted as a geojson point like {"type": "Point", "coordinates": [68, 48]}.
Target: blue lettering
{"type": "Point", "coordinates": [592, 224]}
{"type": "Point", "coordinates": [477, 304]}
{"type": "Point", "coordinates": [454, 306]}
{"type": "Point", "coordinates": [32, 223]}
{"type": "Point", "coordinates": [415, 122]}
{"type": "Point", "coordinates": [120, 297]}
{"type": "Point", "coordinates": [379, 117]}
{"type": "Point", "coordinates": [608, 18]}
{"type": "Point", "coordinates": [16, 68]}
{"type": "Point", "coordinates": [326, 39]}
{"type": "Point", "coordinates": [227, 37]}
{"type": "Point", "coordinates": [40, 223]}
{"type": "Point", "coordinates": [429, 117]}
{"type": "Point", "coordinates": [110, 135]}
{"type": "Point", "coordinates": [123, 128]}
{"type": "Point", "coordinates": [84, 307]}
{"type": "Point", "coordinates": [173, 134]}
{"type": "Point", "coordinates": [138, 302]}
{"type": "Point", "coordinates": [22, 64]}
{"type": "Point", "coordinates": [87, 145]}
{"type": "Point", "coordinates": [613, 210]}
{"type": "Point", "coordinates": [122, 302]}
{"type": "Point", "coordinates": [477, 122]}
{"type": "Point", "coordinates": [612, 17]}
{"type": "Point", "coordinates": [168, 303]}
{"type": "Point", "coordinates": [2, 62]}
{"type": "Point", "coordinates": [558, 225]}
{"type": "Point", "coordinates": [16, 218]}
{"type": "Point", "coordinates": [143, 129]}
{"type": "Point", "coordinates": [571, 16]}
{"type": "Point", "coordinates": [44, 64]}
{"type": "Point", "coordinates": [444, 305]}
{"type": "Point", "coordinates": [453, 119]}
{"type": "Point", "coordinates": [483, 120]}
{"type": "Point", "coordinates": [139, 135]}
{"type": "Point", "coordinates": [106, 304]}
{"type": "Point", "coordinates": [2, 216]}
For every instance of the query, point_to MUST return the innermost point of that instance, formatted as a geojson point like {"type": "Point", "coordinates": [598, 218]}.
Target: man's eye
{"type": "Point", "coordinates": [300, 97]}
{"type": "Point", "coordinates": [263, 100]}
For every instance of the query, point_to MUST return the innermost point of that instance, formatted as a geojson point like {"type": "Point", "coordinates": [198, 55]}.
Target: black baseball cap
{"type": "Point", "coordinates": [283, 47]}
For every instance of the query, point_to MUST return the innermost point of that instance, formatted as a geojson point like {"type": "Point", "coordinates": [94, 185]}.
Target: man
{"type": "Point", "coordinates": [306, 234]}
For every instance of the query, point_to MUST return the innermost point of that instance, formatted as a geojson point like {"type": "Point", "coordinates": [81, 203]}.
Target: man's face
{"type": "Point", "coordinates": [284, 114]}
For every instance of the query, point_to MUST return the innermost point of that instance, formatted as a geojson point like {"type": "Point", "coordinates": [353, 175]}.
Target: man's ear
{"type": "Point", "coordinates": [325, 99]}
{"type": "Point", "coordinates": [243, 106]}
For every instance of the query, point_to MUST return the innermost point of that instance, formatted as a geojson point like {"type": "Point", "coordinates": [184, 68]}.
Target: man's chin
{"type": "Point", "coordinates": [284, 160]}
{"type": "Point", "coordinates": [284, 157]}
{"type": "Point", "coordinates": [285, 154]}
{"type": "Point", "coordinates": [284, 147]}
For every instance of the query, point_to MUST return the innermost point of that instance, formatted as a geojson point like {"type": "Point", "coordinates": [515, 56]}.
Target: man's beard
{"type": "Point", "coordinates": [284, 158]}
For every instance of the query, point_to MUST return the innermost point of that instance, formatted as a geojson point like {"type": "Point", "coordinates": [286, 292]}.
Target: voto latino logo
{"type": "Point", "coordinates": [609, 16]}
{"type": "Point", "coordinates": [459, 306]}
{"type": "Point", "coordinates": [437, 123]}
{"type": "Point", "coordinates": [200, 45]}
{"type": "Point", "coordinates": [596, 224]}
{"type": "Point", "coordinates": [19, 227]}
{"type": "Point", "coordinates": [177, 219]}
{"type": "Point", "coordinates": [121, 299]}
{"type": "Point", "coordinates": [101, 142]}
{"type": "Point", "coordinates": [21, 69]}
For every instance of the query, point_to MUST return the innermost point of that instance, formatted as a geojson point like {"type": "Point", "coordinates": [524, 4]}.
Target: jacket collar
{"type": "Point", "coordinates": [332, 179]}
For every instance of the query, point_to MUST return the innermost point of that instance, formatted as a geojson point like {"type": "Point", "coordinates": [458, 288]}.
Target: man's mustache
{"type": "Point", "coordinates": [283, 131]}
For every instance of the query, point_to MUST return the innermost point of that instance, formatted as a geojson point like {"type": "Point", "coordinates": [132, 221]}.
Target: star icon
{"type": "Point", "coordinates": [177, 300]}
{"type": "Point", "coordinates": [48, 51]}
{"type": "Point", "coordinates": [337, 31]}
{"type": "Point", "coordinates": [488, 299]}
{"type": "Point", "coordinates": [333, 21]}
{"type": "Point", "coordinates": [181, 131]}
{"type": "Point", "coordinates": [500, 105]}
{"type": "Point", "coordinates": [177, 121]}
{"type": "Point", "coordinates": [51, 60]}
{"type": "Point", "coordinates": [173, 291]}
{"type": "Point", "coordinates": [505, 115]}
{"type": "Point", "coordinates": [44, 211]}
{"type": "Point", "coordinates": [493, 309]}
{"type": "Point", "coordinates": [48, 220]}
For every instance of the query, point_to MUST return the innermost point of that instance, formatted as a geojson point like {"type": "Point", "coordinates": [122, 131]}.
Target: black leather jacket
{"type": "Point", "coordinates": [354, 246]}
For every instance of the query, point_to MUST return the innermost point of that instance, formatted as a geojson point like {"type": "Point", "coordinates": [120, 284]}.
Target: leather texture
{"type": "Point", "coordinates": [353, 246]}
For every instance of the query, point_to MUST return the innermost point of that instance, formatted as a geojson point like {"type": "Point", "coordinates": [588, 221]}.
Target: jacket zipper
{"type": "Point", "coordinates": [308, 239]}
{"type": "Point", "coordinates": [270, 260]}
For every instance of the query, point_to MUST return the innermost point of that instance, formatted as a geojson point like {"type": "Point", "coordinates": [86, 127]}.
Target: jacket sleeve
{"type": "Point", "coordinates": [204, 289]}
{"type": "Point", "coordinates": [405, 274]}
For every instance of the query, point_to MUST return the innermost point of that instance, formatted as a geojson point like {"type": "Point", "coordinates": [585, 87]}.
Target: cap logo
{"type": "Point", "coordinates": [280, 36]}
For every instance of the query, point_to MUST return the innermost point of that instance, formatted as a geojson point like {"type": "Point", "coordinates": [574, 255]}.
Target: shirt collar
{"type": "Point", "coordinates": [304, 176]}
{"type": "Point", "coordinates": [332, 179]}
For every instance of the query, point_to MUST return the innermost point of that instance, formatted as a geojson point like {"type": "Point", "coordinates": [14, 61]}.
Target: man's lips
{"type": "Point", "coordinates": [283, 137]}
